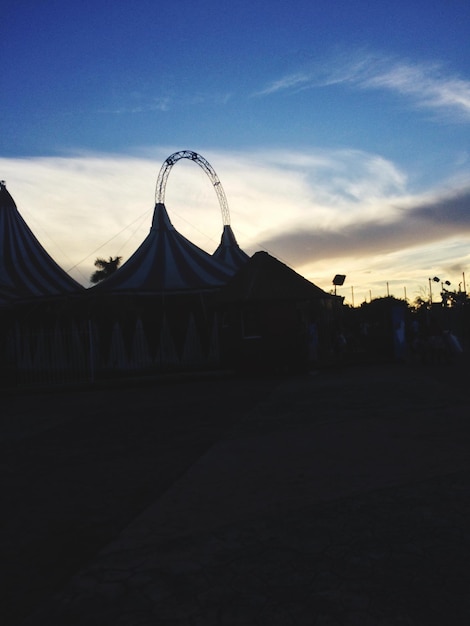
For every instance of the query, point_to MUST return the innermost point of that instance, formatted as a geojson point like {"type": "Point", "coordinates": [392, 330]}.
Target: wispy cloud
{"type": "Point", "coordinates": [159, 104]}
{"type": "Point", "coordinates": [211, 98]}
{"type": "Point", "coordinates": [291, 81]}
{"type": "Point", "coordinates": [406, 224]}
{"type": "Point", "coordinates": [428, 85]}
{"type": "Point", "coordinates": [139, 103]}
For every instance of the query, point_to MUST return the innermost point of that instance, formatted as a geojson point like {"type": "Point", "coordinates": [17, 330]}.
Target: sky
{"type": "Point", "coordinates": [340, 131]}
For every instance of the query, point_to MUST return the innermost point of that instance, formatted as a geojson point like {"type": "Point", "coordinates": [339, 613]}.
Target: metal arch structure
{"type": "Point", "coordinates": [208, 169]}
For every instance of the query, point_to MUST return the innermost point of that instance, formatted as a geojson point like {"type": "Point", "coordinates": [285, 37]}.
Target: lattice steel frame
{"type": "Point", "coordinates": [208, 169]}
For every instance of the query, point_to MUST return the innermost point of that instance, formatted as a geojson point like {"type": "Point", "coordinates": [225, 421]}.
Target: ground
{"type": "Point", "coordinates": [336, 497]}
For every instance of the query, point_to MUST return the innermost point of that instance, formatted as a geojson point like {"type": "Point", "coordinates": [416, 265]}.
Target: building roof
{"type": "Point", "coordinates": [26, 269]}
{"type": "Point", "coordinates": [167, 262]}
{"type": "Point", "coordinates": [229, 252]}
{"type": "Point", "coordinates": [264, 278]}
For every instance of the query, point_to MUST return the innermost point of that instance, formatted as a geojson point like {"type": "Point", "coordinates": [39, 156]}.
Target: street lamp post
{"type": "Point", "coordinates": [338, 280]}
{"type": "Point", "coordinates": [436, 279]}
{"type": "Point", "coordinates": [431, 280]}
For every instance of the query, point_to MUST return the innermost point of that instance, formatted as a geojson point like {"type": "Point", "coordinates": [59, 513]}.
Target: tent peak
{"type": "Point", "coordinates": [161, 219]}
{"type": "Point", "coordinates": [228, 251]}
{"type": "Point", "coordinates": [6, 199]}
{"type": "Point", "coordinates": [26, 268]}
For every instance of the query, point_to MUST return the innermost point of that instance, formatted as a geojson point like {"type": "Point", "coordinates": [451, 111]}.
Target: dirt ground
{"type": "Point", "coordinates": [79, 466]}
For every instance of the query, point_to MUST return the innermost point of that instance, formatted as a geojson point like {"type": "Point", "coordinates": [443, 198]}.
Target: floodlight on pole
{"type": "Point", "coordinates": [338, 280]}
{"type": "Point", "coordinates": [431, 280]}
{"type": "Point", "coordinates": [436, 279]}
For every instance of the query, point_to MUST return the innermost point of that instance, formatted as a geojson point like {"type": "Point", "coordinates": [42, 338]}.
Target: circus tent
{"type": "Point", "coordinates": [26, 269]}
{"type": "Point", "coordinates": [159, 304]}
{"type": "Point", "coordinates": [167, 262]}
{"type": "Point", "coordinates": [229, 252]}
{"type": "Point", "coordinates": [168, 307]}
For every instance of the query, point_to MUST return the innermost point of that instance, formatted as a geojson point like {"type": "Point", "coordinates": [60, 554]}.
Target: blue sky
{"type": "Point", "coordinates": [339, 130]}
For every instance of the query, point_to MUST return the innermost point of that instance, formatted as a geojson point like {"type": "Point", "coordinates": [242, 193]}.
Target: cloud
{"type": "Point", "coordinates": [160, 104]}
{"type": "Point", "coordinates": [318, 211]}
{"type": "Point", "coordinates": [292, 81]}
{"type": "Point", "coordinates": [427, 85]}
{"type": "Point", "coordinates": [210, 98]}
{"type": "Point", "coordinates": [411, 223]}
{"type": "Point", "coordinates": [142, 103]}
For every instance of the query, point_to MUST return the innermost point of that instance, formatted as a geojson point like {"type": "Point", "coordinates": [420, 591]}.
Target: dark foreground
{"type": "Point", "coordinates": [341, 497]}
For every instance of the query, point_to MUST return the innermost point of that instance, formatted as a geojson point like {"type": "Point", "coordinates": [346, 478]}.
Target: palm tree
{"type": "Point", "coordinates": [106, 268]}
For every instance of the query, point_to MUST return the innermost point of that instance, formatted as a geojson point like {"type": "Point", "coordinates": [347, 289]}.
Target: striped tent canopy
{"type": "Point", "coordinates": [229, 252]}
{"type": "Point", "coordinates": [167, 262]}
{"type": "Point", "coordinates": [26, 269]}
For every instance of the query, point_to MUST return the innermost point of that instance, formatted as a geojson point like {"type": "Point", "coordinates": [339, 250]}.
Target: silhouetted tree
{"type": "Point", "coordinates": [419, 303]}
{"type": "Point", "coordinates": [106, 268]}
{"type": "Point", "coordinates": [453, 298]}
